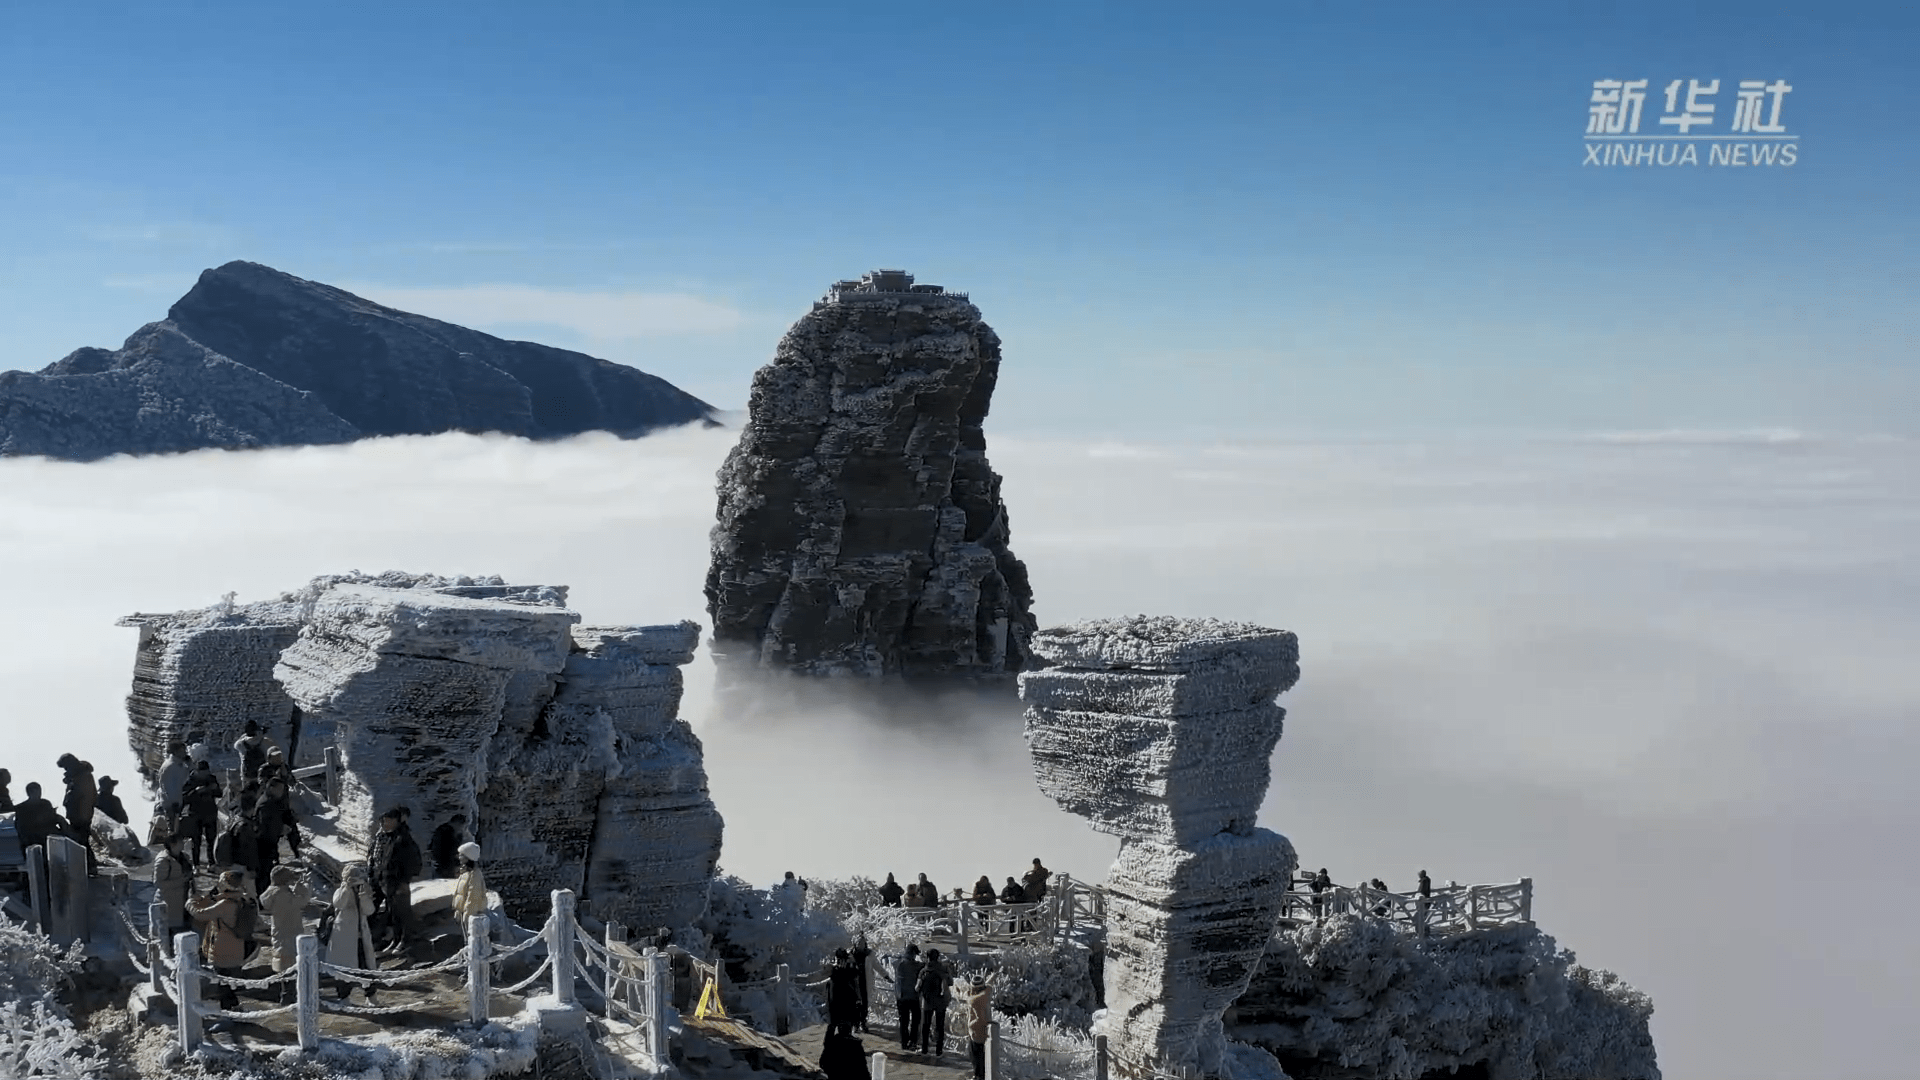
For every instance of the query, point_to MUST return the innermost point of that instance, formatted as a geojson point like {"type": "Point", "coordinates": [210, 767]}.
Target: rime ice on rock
{"type": "Point", "coordinates": [562, 743]}
{"type": "Point", "coordinates": [1160, 731]}
{"type": "Point", "coordinates": [860, 527]}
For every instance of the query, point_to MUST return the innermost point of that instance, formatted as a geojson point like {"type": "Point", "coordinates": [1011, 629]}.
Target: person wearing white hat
{"type": "Point", "coordinates": [470, 892]}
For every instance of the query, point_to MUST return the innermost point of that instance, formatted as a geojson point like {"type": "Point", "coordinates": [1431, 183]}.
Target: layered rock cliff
{"type": "Point", "coordinates": [1160, 731]}
{"type": "Point", "coordinates": [861, 530]}
{"type": "Point", "coordinates": [562, 743]}
{"type": "Point", "coordinates": [255, 357]}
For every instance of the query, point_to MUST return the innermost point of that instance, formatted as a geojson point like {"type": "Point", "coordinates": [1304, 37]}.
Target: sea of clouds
{"type": "Point", "coordinates": [1670, 677]}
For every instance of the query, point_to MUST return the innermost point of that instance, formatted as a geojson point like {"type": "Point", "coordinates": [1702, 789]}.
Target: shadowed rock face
{"type": "Point", "coordinates": [254, 357]}
{"type": "Point", "coordinates": [861, 530]}
{"type": "Point", "coordinates": [1160, 731]}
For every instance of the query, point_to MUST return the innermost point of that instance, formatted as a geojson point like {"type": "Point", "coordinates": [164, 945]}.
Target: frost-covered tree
{"type": "Point", "coordinates": [37, 1038]}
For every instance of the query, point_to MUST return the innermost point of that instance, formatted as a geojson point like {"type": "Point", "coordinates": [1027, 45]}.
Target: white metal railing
{"type": "Point", "coordinates": [1455, 909]}
{"type": "Point", "coordinates": [634, 988]}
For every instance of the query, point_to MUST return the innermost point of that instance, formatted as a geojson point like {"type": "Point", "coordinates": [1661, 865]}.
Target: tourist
{"type": "Point", "coordinates": [843, 995]}
{"type": "Point", "coordinates": [399, 866]}
{"type": "Point", "coordinates": [1034, 884]}
{"type": "Point", "coordinates": [1013, 893]}
{"type": "Point", "coordinates": [200, 812]}
{"type": "Point", "coordinates": [350, 945]}
{"type": "Point", "coordinates": [81, 796]}
{"type": "Point", "coordinates": [163, 826]}
{"type": "Point", "coordinates": [6, 797]}
{"type": "Point", "coordinates": [860, 954]}
{"type": "Point", "coordinates": [979, 1015]}
{"type": "Point", "coordinates": [276, 768]}
{"type": "Point", "coordinates": [934, 998]}
{"type": "Point", "coordinates": [172, 781]}
{"type": "Point", "coordinates": [172, 881]}
{"type": "Point", "coordinates": [1321, 883]}
{"type": "Point", "coordinates": [890, 893]}
{"type": "Point", "coordinates": [913, 897]}
{"type": "Point", "coordinates": [983, 890]}
{"type": "Point", "coordinates": [929, 896]}
{"type": "Point", "coordinates": [239, 846]}
{"type": "Point", "coordinates": [222, 943]}
{"type": "Point", "coordinates": [1424, 891]}
{"type": "Point", "coordinates": [1379, 886]}
{"type": "Point", "coordinates": [35, 819]}
{"type": "Point", "coordinates": [445, 843]}
{"type": "Point", "coordinates": [108, 803]}
{"type": "Point", "coordinates": [251, 747]}
{"type": "Point", "coordinates": [273, 821]}
{"type": "Point", "coordinates": [283, 904]}
{"type": "Point", "coordinates": [906, 994]}
{"type": "Point", "coordinates": [470, 891]}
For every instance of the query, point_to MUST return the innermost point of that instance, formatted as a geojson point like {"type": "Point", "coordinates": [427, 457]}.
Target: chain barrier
{"type": "Point", "coordinates": [545, 966]}
{"type": "Point", "coordinates": [247, 984]}
{"type": "Point", "coordinates": [250, 1017]}
{"type": "Point", "coordinates": [140, 939]}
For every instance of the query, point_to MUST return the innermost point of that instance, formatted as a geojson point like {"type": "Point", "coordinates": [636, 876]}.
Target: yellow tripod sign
{"type": "Point", "coordinates": [709, 1004]}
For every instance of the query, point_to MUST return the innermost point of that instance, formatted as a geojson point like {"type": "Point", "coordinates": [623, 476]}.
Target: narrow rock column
{"type": "Point", "coordinates": [1161, 731]}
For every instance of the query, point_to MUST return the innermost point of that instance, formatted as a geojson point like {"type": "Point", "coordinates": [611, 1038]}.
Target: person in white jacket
{"type": "Point", "coordinates": [351, 944]}
{"type": "Point", "coordinates": [470, 891]}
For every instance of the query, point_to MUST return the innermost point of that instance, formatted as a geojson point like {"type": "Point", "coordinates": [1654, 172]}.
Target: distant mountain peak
{"type": "Point", "coordinates": [253, 356]}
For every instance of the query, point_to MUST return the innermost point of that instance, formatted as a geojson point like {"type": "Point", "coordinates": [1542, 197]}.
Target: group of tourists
{"type": "Point", "coordinates": [35, 818]}
{"type": "Point", "coordinates": [221, 869]}
{"type": "Point", "coordinates": [1321, 882]}
{"type": "Point", "coordinates": [923, 991]}
{"type": "Point", "coordinates": [1030, 889]}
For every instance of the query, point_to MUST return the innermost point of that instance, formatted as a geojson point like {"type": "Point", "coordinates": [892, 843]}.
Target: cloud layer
{"type": "Point", "coordinates": [1670, 679]}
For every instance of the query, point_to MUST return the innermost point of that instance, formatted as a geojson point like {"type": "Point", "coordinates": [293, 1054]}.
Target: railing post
{"type": "Point", "coordinates": [331, 756]}
{"type": "Point", "coordinates": [560, 944]}
{"type": "Point", "coordinates": [479, 985]}
{"type": "Point", "coordinates": [993, 1050]}
{"type": "Point", "coordinates": [1099, 1057]}
{"type": "Point", "coordinates": [37, 885]}
{"type": "Point", "coordinates": [659, 1000]}
{"type": "Point", "coordinates": [186, 987]}
{"type": "Point", "coordinates": [616, 934]}
{"type": "Point", "coordinates": [306, 991]}
{"type": "Point", "coordinates": [1526, 900]}
{"type": "Point", "coordinates": [878, 1067]}
{"type": "Point", "coordinates": [966, 909]}
{"type": "Point", "coordinates": [157, 947]}
{"type": "Point", "coordinates": [1473, 907]}
{"type": "Point", "coordinates": [783, 1000]}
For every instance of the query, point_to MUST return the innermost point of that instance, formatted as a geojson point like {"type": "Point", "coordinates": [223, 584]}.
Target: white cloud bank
{"type": "Point", "coordinates": [1671, 680]}
{"type": "Point", "coordinates": [598, 314]}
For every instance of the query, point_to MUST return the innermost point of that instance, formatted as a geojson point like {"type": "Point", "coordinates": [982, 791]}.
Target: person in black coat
{"type": "Point", "coordinates": [934, 999]}
{"type": "Point", "coordinates": [199, 813]}
{"type": "Point", "coordinates": [1013, 893]}
{"type": "Point", "coordinates": [890, 893]}
{"type": "Point", "coordinates": [860, 954]}
{"type": "Point", "coordinates": [843, 995]}
{"type": "Point", "coordinates": [274, 819]}
{"type": "Point", "coordinates": [1321, 883]}
{"type": "Point", "coordinates": [35, 819]}
{"type": "Point", "coordinates": [6, 797]}
{"type": "Point", "coordinates": [108, 803]}
{"type": "Point", "coordinates": [983, 890]}
{"type": "Point", "coordinates": [399, 865]}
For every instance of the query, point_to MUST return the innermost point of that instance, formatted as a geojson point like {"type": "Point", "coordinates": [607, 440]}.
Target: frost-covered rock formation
{"type": "Point", "coordinates": [860, 527]}
{"type": "Point", "coordinates": [1353, 997]}
{"type": "Point", "coordinates": [561, 742]}
{"type": "Point", "coordinates": [1161, 731]}
{"type": "Point", "coordinates": [251, 357]}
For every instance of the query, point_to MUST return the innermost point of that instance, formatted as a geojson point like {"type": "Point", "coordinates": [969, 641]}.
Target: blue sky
{"type": "Point", "coordinates": [1237, 220]}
